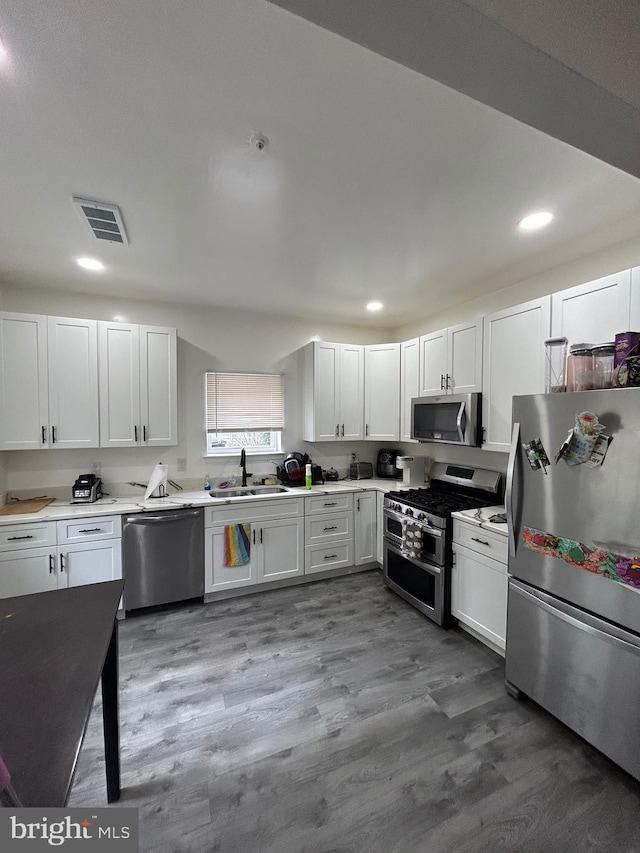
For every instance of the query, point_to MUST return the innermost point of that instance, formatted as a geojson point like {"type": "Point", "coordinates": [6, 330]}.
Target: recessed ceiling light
{"type": "Point", "coordinates": [374, 306]}
{"type": "Point", "coordinates": [535, 220]}
{"type": "Point", "coordinates": [4, 54]}
{"type": "Point", "coordinates": [92, 264]}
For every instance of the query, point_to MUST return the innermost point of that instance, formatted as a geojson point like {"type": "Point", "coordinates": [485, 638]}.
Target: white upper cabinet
{"type": "Point", "coordinates": [72, 347]}
{"type": "Point", "coordinates": [451, 360]}
{"type": "Point", "coordinates": [333, 392]}
{"type": "Point", "coordinates": [593, 312]}
{"type": "Point", "coordinates": [24, 404]}
{"type": "Point", "coordinates": [382, 392]}
{"type": "Point", "coordinates": [158, 386]}
{"type": "Point", "coordinates": [409, 383]}
{"type": "Point", "coordinates": [433, 363]}
{"type": "Point", "coordinates": [138, 401]}
{"type": "Point", "coordinates": [514, 363]}
{"type": "Point", "coordinates": [48, 382]}
{"type": "Point", "coordinates": [634, 318]}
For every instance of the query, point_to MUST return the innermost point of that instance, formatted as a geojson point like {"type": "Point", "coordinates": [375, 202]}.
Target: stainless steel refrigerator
{"type": "Point", "coordinates": [573, 616]}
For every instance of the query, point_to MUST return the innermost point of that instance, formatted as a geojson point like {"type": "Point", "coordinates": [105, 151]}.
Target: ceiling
{"type": "Point", "coordinates": [376, 182]}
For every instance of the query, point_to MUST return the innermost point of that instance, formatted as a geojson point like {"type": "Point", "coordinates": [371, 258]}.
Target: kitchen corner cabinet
{"type": "Point", "coordinates": [138, 385]}
{"type": "Point", "coordinates": [365, 528]}
{"type": "Point", "coordinates": [276, 537]}
{"type": "Point", "coordinates": [513, 363]}
{"type": "Point", "coordinates": [409, 383]}
{"type": "Point", "coordinates": [382, 392]}
{"type": "Point", "coordinates": [333, 392]}
{"type": "Point", "coordinates": [451, 360]}
{"type": "Point", "coordinates": [479, 582]}
{"type": "Point", "coordinates": [593, 312]}
{"type": "Point", "coordinates": [48, 382]}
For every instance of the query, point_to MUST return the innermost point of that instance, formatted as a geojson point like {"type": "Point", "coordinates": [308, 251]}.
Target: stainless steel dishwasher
{"type": "Point", "coordinates": [163, 555]}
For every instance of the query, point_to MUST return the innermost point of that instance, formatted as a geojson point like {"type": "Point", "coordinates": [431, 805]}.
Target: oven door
{"type": "Point", "coordinates": [421, 584]}
{"type": "Point", "coordinates": [432, 537]}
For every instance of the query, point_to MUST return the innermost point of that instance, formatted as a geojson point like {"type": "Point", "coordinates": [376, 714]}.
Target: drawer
{"type": "Point", "coordinates": [15, 537]}
{"type": "Point", "coordinates": [328, 503]}
{"type": "Point", "coordinates": [320, 558]}
{"type": "Point", "coordinates": [253, 510]}
{"type": "Point", "coordinates": [328, 528]}
{"type": "Point", "coordinates": [483, 541]}
{"type": "Point", "coordinates": [94, 527]}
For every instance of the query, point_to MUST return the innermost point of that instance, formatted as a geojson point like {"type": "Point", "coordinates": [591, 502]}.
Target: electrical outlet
{"type": "Point", "coordinates": [96, 467]}
{"type": "Point", "coordinates": [353, 457]}
{"type": "Point", "coordinates": [182, 464]}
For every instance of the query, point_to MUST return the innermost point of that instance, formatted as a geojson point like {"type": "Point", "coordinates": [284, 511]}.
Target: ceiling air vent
{"type": "Point", "coordinates": [104, 220]}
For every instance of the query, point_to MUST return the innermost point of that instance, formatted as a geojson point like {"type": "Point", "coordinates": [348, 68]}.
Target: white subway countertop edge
{"type": "Point", "coordinates": [469, 515]}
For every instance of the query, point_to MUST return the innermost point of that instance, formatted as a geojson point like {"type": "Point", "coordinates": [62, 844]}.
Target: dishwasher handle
{"type": "Point", "coordinates": [164, 517]}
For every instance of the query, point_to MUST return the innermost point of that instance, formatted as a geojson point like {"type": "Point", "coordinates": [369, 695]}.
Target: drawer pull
{"type": "Point", "coordinates": [330, 528]}
{"type": "Point", "coordinates": [481, 541]}
{"type": "Point", "coordinates": [334, 503]}
{"type": "Point", "coordinates": [329, 556]}
{"type": "Point", "coordinates": [15, 538]}
{"type": "Point", "coordinates": [91, 530]}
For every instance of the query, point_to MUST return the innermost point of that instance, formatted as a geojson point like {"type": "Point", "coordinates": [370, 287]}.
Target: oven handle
{"type": "Point", "coordinates": [421, 564]}
{"type": "Point", "coordinates": [435, 531]}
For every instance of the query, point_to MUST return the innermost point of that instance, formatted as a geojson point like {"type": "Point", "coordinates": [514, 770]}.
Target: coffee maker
{"type": "Point", "coordinates": [412, 469]}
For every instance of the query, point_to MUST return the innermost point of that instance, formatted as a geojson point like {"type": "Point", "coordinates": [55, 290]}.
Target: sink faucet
{"type": "Point", "coordinates": [243, 465]}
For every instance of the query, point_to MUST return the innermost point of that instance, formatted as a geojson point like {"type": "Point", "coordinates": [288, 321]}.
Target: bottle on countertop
{"type": "Point", "coordinates": [207, 483]}
{"type": "Point", "coordinates": [307, 476]}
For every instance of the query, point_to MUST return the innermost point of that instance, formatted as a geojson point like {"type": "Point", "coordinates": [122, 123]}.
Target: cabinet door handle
{"type": "Point", "coordinates": [337, 430]}
{"type": "Point", "coordinates": [366, 430]}
{"type": "Point", "coordinates": [335, 527]}
{"type": "Point", "coordinates": [343, 430]}
{"type": "Point", "coordinates": [62, 566]}
{"type": "Point", "coordinates": [261, 536]}
{"type": "Point", "coordinates": [254, 536]}
{"type": "Point", "coordinates": [135, 433]}
{"type": "Point", "coordinates": [91, 530]}
{"type": "Point", "coordinates": [442, 381]}
{"type": "Point", "coordinates": [53, 435]}
{"type": "Point", "coordinates": [448, 382]}
{"type": "Point", "coordinates": [144, 432]}
{"type": "Point", "coordinates": [358, 505]}
{"type": "Point", "coordinates": [44, 435]}
{"type": "Point", "coordinates": [52, 565]}
{"type": "Point", "coordinates": [329, 556]}
{"type": "Point", "coordinates": [481, 541]}
{"type": "Point", "coordinates": [15, 538]}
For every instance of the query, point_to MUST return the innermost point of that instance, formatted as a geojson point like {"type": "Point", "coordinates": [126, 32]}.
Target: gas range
{"type": "Point", "coordinates": [418, 533]}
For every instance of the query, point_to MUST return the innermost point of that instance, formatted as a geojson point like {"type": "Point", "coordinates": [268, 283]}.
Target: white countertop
{"type": "Point", "coordinates": [470, 516]}
{"type": "Point", "coordinates": [109, 506]}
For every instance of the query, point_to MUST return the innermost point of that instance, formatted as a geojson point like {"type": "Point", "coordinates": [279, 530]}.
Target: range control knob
{"type": "Point", "coordinates": [408, 511]}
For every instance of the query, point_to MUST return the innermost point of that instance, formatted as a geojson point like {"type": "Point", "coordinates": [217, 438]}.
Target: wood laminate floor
{"type": "Point", "coordinates": [334, 718]}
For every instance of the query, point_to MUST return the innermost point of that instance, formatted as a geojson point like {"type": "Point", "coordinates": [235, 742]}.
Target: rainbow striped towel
{"type": "Point", "coordinates": [237, 545]}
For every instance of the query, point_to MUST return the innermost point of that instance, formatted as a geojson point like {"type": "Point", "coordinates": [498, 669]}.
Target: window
{"type": "Point", "coordinates": [243, 410]}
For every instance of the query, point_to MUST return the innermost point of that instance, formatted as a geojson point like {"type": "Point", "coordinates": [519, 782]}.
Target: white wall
{"type": "Point", "coordinates": [208, 339]}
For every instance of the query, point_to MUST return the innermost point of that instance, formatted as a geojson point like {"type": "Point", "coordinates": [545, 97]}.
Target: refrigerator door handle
{"type": "Point", "coordinates": [510, 491]}
{"type": "Point", "coordinates": [582, 620]}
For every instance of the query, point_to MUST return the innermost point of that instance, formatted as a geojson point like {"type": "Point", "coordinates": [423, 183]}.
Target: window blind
{"type": "Point", "coordinates": [241, 402]}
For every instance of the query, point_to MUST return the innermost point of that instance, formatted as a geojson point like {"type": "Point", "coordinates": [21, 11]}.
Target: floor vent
{"type": "Point", "coordinates": [104, 220]}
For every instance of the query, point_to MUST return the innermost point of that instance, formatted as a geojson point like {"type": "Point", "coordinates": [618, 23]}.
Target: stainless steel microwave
{"type": "Point", "coordinates": [447, 419]}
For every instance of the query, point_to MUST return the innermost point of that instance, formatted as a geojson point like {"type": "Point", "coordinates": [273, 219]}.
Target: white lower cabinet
{"type": "Point", "coordinates": [276, 545]}
{"type": "Point", "coordinates": [365, 528]}
{"type": "Point", "coordinates": [479, 582]}
{"type": "Point", "coordinates": [45, 555]}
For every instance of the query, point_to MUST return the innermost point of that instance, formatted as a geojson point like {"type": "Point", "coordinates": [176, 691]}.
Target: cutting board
{"type": "Point", "coordinates": [20, 507]}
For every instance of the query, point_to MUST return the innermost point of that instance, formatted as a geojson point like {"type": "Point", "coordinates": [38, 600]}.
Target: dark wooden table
{"type": "Point", "coordinates": [54, 648]}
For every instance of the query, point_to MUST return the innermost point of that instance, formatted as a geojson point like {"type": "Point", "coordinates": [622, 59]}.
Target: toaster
{"type": "Point", "coordinates": [360, 470]}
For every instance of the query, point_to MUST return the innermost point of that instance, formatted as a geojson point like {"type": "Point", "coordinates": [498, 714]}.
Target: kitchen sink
{"type": "Point", "coordinates": [246, 492]}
